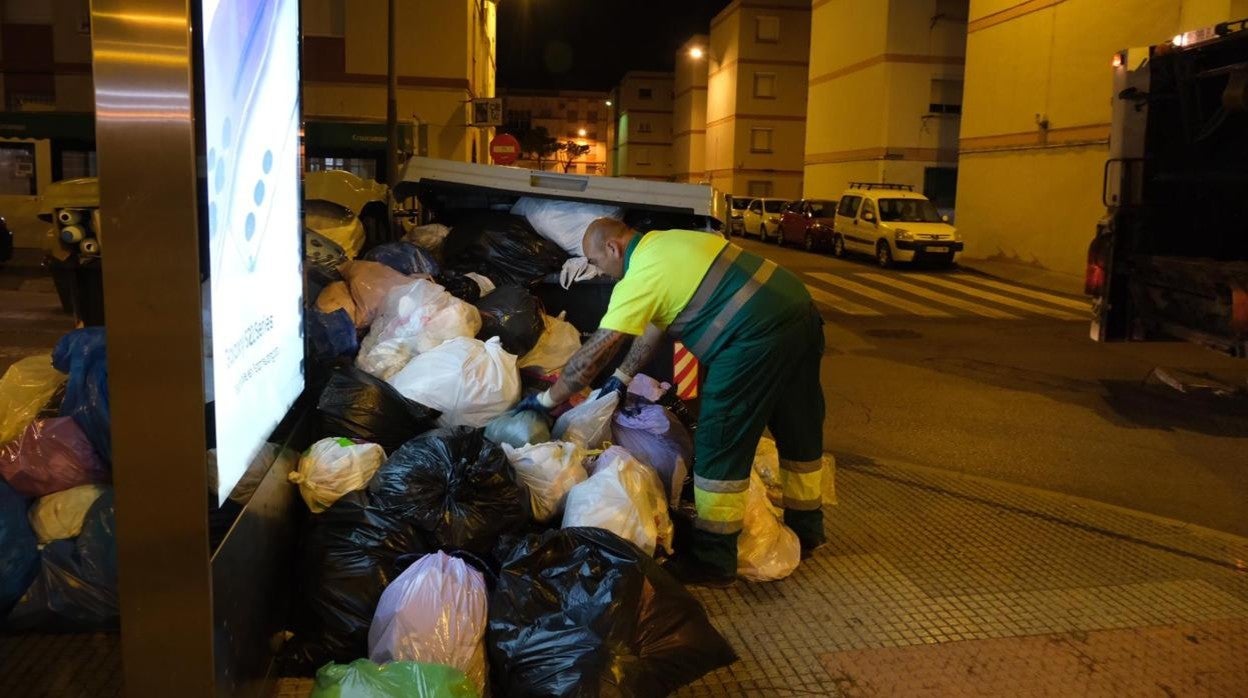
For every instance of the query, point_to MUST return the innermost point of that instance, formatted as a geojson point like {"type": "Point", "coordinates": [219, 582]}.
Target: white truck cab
{"type": "Point", "coordinates": [893, 223]}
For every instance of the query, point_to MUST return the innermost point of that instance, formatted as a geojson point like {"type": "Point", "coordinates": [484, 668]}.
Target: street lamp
{"type": "Point", "coordinates": [582, 133]}
{"type": "Point", "coordinates": [696, 53]}
{"type": "Point", "coordinates": [608, 102]}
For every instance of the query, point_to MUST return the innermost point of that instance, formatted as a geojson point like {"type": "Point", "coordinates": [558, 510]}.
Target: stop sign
{"type": "Point", "coordinates": [504, 149]}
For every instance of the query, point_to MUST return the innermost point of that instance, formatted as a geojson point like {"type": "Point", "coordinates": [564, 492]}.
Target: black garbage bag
{"type": "Point", "coordinates": [76, 587]}
{"type": "Point", "coordinates": [583, 612]}
{"type": "Point", "coordinates": [357, 405]}
{"type": "Point", "coordinates": [456, 485]}
{"type": "Point", "coordinates": [515, 316]}
{"type": "Point", "coordinates": [347, 556]}
{"type": "Point", "coordinates": [501, 246]}
{"type": "Point", "coordinates": [460, 286]}
{"type": "Point", "coordinates": [404, 257]}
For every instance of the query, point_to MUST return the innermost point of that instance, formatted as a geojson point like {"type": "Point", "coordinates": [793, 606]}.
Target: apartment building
{"type": "Point", "coordinates": [757, 64]}
{"type": "Point", "coordinates": [1036, 115]}
{"type": "Point", "coordinates": [885, 99]}
{"type": "Point", "coordinates": [689, 111]}
{"type": "Point", "coordinates": [47, 126]}
{"type": "Point", "coordinates": [642, 106]}
{"type": "Point", "coordinates": [580, 117]}
{"type": "Point", "coordinates": [446, 58]}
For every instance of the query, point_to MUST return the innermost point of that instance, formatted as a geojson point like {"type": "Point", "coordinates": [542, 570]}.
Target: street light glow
{"type": "Point", "coordinates": [608, 102]}
{"type": "Point", "coordinates": [581, 133]}
{"type": "Point", "coordinates": [695, 53]}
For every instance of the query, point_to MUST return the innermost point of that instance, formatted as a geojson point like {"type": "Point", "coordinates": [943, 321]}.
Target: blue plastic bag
{"type": "Point", "coordinates": [404, 257]}
{"type": "Point", "coordinates": [82, 355]}
{"type": "Point", "coordinates": [19, 559]}
{"type": "Point", "coordinates": [76, 587]}
{"type": "Point", "coordinates": [330, 335]}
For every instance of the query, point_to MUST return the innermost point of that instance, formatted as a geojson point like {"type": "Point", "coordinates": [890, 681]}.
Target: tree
{"type": "Point", "coordinates": [571, 151]}
{"type": "Point", "coordinates": [536, 143]}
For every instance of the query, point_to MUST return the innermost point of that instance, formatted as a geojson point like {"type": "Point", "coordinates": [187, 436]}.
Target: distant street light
{"type": "Point", "coordinates": [582, 133]}
{"type": "Point", "coordinates": [695, 53]}
{"type": "Point", "coordinates": [608, 102]}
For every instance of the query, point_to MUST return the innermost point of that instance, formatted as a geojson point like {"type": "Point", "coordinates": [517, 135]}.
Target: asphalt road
{"type": "Point", "coordinates": [955, 370]}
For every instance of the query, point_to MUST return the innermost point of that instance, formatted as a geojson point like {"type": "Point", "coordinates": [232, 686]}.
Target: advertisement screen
{"type": "Point", "coordinates": [255, 286]}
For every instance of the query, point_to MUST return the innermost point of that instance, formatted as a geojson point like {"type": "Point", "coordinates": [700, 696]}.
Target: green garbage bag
{"type": "Point", "coordinates": [364, 679]}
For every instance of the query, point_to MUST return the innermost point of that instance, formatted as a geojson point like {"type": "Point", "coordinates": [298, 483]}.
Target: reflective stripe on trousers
{"type": "Point", "coordinates": [720, 504]}
{"type": "Point", "coordinates": [802, 483]}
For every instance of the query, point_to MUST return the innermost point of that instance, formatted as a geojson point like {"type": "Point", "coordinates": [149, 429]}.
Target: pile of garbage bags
{"type": "Point", "coordinates": [58, 556]}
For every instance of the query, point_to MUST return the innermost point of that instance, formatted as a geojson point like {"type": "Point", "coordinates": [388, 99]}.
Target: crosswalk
{"type": "Point", "coordinates": [938, 295]}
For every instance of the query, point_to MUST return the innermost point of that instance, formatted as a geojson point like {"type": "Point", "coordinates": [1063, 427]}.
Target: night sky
{"type": "Point", "coordinates": [590, 44]}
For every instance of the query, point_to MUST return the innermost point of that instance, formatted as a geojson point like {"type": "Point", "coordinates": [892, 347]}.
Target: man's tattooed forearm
{"type": "Point", "coordinates": [587, 363]}
{"type": "Point", "coordinates": [642, 350]}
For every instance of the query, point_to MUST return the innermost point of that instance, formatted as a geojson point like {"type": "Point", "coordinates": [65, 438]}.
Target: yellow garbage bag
{"type": "Point", "coordinates": [25, 388]}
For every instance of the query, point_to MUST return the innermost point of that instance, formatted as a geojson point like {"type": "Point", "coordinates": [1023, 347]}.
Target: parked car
{"type": "Point", "coordinates": [762, 217]}
{"type": "Point", "coordinates": [6, 241]}
{"type": "Point", "coordinates": [893, 223]}
{"type": "Point", "coordinates": [808, 223]}
{"type": "Point", "coordinates": [736, 211]}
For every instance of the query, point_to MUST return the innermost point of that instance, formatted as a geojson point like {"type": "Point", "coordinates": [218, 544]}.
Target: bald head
{"type": "Point", "coordinates": [605, 243]}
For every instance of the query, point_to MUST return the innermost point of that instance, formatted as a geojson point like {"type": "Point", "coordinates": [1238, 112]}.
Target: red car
{"type": "Point", "coordinates": [808, 223]}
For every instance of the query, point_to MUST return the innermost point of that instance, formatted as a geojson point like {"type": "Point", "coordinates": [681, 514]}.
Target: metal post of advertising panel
{"type": "Point", "coordinates": [198, 116]}
{"type": "Point", "coordinates": [146, 144]}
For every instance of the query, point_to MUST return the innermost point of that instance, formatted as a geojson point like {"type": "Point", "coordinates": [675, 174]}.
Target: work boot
{"type": "Point", "coordinates": [809, 549]}
{"type": "Point", "coordinates": [691, 572]}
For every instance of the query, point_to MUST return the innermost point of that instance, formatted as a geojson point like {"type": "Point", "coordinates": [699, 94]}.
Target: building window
{"type": "Point", "coordinates": [643, 156]}
{"type": "Point", "coordinates": [643, 127]}
{"type": "Point", "coordinates": [946, 97]}
{"type": "Point", "coordinates": [765, 85]}
{"type": "Point", "coordinates": [645, 93]}
{"type": "Point", "coordinates": [767, 29]}
{"type": "Point", "coordinates": [759, 188]}
{"type": "Point", "coordinates": [17, 169]}
{"type": "Point", "coordinates": [364, 168]}
{"type": "Point", "coordinates": [760, 140]}
{"type": "Point", "coordinates": [573, 115]}
{"type": "Point", "coordinates": [77, 163]}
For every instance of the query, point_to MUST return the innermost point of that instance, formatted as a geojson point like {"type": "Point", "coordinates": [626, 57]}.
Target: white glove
{"type": "Point", "coordinates": [577, 269]}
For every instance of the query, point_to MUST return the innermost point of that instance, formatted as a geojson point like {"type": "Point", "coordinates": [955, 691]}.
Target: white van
{"type": "Point", "coordinates": [893, 223]}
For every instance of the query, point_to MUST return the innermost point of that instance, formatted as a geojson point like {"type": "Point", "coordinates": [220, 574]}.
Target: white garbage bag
{"type": "Point", "coordinates": [549, 470]}
{"type": "Point", "coordinates": [435, 611]}
{"type": "Point", "coordinates": [563, 222]}
{"type": "Point", "coordinates": [469, 381]}
{"type": "Point", "coordinates": [414, 318]}
{"type": "Point", "coordinates": [559, 341]}
{"type": "Point", "coordinates": [588, 424]}
{"type": "Point", "coordinates": [59, 515]}
{"type": "Point", "coordinates": [333, 467]}
{"type": "Point", "coordinates": [767, 550]}
{"type": "Point", "coordinates": [767, 465]}
{"type": "Point", "coordinates": [624, 497]}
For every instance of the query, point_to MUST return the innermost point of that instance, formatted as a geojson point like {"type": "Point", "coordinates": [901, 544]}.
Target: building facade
{"type": "Point", "coordinates": [757, 63]}
{"type": "Point", "coordinates": [446, 58]}
{"type": "Point", "coordinates": [886, 98]}
{"type": "Point", "coordinates": [575, 116]}
{"type": "Point", "coordinates": [689, 112]}
{"type": "Point", "coordinates": [1036, 115]}
{"type": "Point", "coordinates": [47, 126]}
{"type": "Point", "coordinates": [642, 107]}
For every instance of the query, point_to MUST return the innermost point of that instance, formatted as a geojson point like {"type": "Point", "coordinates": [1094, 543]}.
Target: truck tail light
{"type": "Point", "coordinates": [1096, 276]}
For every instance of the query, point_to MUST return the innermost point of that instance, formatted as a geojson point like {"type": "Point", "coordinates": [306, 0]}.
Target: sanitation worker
{"type": "Point", "coordinates": [753, 327]}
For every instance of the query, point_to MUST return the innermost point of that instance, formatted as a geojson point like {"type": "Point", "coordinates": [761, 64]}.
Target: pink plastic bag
{"type": "Point", "coordinates": [370, 283]}
{"type": "Point", "coordinates": [51, 455]}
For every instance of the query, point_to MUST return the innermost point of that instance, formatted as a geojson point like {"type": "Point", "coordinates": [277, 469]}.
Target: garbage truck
{"type": "Point", "coordinates": [1170, 258]}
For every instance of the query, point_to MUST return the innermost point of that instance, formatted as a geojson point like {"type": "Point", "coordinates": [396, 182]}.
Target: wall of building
{"type": "Point", "coordinates": [870, 114]}
{"type": "Point", "coordinates": [345, 67]}
{"type": "Point", "coordinates": [689, 112]}
{"type": "Point", "coordinates": [755, 134]}
{"type": "Point", "coordinates": [564, 114]}
{"type": "Point", "coordinates": [644, 126]}
{"type": "Point", "coordinates": [1031, 194]}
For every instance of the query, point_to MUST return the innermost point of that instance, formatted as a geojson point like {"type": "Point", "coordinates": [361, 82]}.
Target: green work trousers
{"type": "Point", "coordinates": [753, 383]}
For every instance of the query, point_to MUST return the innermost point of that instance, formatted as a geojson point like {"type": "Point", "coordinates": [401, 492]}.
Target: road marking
{"type": "Point", "coordinates": [1003, 300]}
{"type": "Point", "coordinates": [875, 294]}
{"type": "Point", "coordinates": [1039, 295]}
{"type": "Point", "coordinates": [939, 297]}
{"type": "Point", "coordinates": [837, 303]}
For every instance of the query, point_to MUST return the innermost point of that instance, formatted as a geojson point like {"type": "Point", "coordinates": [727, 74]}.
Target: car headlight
{"type": "Point", "coordinates": [774, 219]}
{"type": "Point", "coordinates": [905, 235]}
